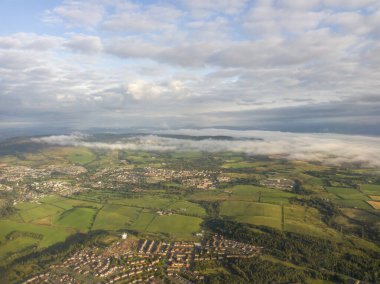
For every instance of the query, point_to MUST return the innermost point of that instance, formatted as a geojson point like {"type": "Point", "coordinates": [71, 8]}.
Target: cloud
{"type": "Point", "coordinates": [74, 13]}
{"type": "Point", "coordinates": [350, 4]}
{"type": "Point", "coordinates": [201, 8]}
{"type": "Point", "coordinates": [328, 149]}
{"type": "Point", "coordinates": [129, 47]}
{"type": "Point", "coordinates": [300, 4]}
{"type": "Point", "coordinates": [84, 44]}
{"type": "Point", "coordinates": [265, 64]}
{"type": "Point", "coordinates": [143, 90]}
{"type": "Point", "coordinates": [135, 19]}
{"type": "Point", "coordinates": [30, 41]}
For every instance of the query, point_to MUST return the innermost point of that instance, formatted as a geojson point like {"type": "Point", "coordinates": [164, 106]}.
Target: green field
{"type": "Point", "coordinates": [246, 193]}
{"type": "Point", "coordinates": [143, 221]}
{"type": "Point", "coordinates": [253, 213]}
{"type": "Point", "coordinates": [40, 211]}
{"type": "Point", "coordinates": [353, 203]}
{"type": "Point", "coordinates": [51, 234]}
{"type": "Point", "coordinates": [188, 208]}
{"type": "Point", "coordinates": [54, 217]}
{"type": "Point", "coordinates": [79, 218]}
{"type": "Point", "coordinates": [115, 217]}
{"type": "Point", "coordinates": [175, 224]}
{"type": "Point", "coordinates": [297, 219]}
{"type": "Point", "coordinates": [361, 215]}
{"type": "Point", "coordinates": [238, 165]}
{"type": "Point", "coordinates": [372, 189]}
{"type": "Point", "coordinates": [22, 243]}
{"type": "Point", "coordinates": [347, 193]}
{"type": "Point", "coordinates": [144, 202]}
{"type": "Point", "coordinates": [80, 155]}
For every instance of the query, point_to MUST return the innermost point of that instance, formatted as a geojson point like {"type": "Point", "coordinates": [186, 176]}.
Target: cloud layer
{"type": "Point", "coordinates": [324, 148]}
{"type": "Point", "coordinates": [262, 64]}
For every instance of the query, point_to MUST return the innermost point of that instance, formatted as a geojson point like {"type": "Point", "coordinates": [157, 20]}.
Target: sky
{"type": "Point", "coordinates": [290, 65]}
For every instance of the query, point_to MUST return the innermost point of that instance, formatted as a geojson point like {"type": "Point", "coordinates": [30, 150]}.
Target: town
{"type": "Point", "coordinates": [144, 261]}
{"type": "Point", "coordinates": [32, 184]}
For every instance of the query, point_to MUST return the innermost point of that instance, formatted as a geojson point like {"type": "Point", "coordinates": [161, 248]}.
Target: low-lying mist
{"type": "Point", "coordinates": [329, 149]}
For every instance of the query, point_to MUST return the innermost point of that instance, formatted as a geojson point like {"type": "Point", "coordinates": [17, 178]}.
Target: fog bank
{"type": "Point", "coordinates": [329, 149]}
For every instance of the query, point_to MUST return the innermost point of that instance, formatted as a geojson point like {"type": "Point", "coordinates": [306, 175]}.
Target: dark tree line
{"type": "Point", "coordinates": [330, 259]}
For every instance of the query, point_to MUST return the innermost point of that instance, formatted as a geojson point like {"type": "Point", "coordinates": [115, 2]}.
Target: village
{"type": "Point", "coordinates": [62, 188]}
{"type": "Point", "coordinates": [144, 261]}
{"type": "Point", "coordinates": [205, 179]}
{"type": "Point", "coordinates": [32, 184]}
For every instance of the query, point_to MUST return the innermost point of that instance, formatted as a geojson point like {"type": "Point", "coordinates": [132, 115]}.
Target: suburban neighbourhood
{"type": "Point", "coordinates": [143, 261]}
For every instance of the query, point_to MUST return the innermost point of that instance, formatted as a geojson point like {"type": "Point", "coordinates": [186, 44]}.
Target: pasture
{"type": "Point", "coordinates": [253, 213]}
{"type": "Point", "coordinates": [353, 203]}
{"type": "Point", "coordinates": [80, 155]}
{"type": "Point", "coordinates": [79, 218]}
{"type": "Point", "coordinates": [293, 218]}
{"type": "Point", "coordinates": [347, 193]}
{"type": "Point", "coordinates": [144, 202]}
{"type": "Point", "coordinates": [373, 189]}
{"type": "Point", "coordinates": [246, 193]}
{"type": "Point", "coordinates": [115, 217]}
{"type": "Point", "coordinates": [143, 221]}
{"type": "Point", "coordinates": [188, 208]}
{"type": "Point", "coordinates": [175, 225]}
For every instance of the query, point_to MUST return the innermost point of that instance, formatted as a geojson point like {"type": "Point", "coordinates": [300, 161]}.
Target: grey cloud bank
{"type": "Point", "coordinates": [324, 148]}
{"type": "Point", "coordinates": [277, 65]}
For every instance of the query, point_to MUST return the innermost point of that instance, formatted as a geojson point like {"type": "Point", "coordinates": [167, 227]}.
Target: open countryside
{"type": "Point", "coordinates": [175, 196]}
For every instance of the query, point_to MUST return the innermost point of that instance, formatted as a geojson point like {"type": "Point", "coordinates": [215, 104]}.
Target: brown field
{"type": "Point", "coordinates": [374, 204]}
{"type": "Point", "coordinates": [375, 197]}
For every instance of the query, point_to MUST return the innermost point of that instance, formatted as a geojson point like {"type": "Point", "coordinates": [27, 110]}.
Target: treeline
{"type": "Point", "coordinates": [328, 258]}
{"type": "Point", "coordinates": [330, 211]}
{"type": "Point", "coordinates": [212, 207]}
{"type": "Point", "coordinates": [7, 209]}
{"type": "Point", "coordinates": [18, 234]}
{"type": "Point", "coordinates": [327, 209]}
{"type": "Point", "coordinates": [299, 189]}
{"type": "Point", "coordinates": [255, 270]}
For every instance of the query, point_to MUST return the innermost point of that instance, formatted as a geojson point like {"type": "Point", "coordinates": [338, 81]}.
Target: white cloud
{"type": "Point", "coordinates": [84, 43]}
{"type": "Point", "coordinates": [201, 8]}
{"type": "Point", "coordinates": [132, 47]}
{"type": "Point", "coordinates": [154, 18]}
{"type": "Point", "coordinates": [236, 63]}
{"type": "Point", "coordinates": [327, 149]}
{"type": "Point", "coordinates": [300, 4]}
{"type": "Point", "coordinates": [350, 4]}
{"type": "Point", "coordinates": [143, 90]}
{"type": "Point", "coordinates": [74, 13]}
{"type": "Point", "coordinates": [30, 41]}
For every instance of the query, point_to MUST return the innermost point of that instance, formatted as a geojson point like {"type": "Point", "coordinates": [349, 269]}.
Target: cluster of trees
{"type": "Point", "coordinates": [299, 189]}
{"type": "Point", "coordinates": [212, 207]}
{"type": "Point", "coordinates": [328, 258]}
{"type": "Point", "coordinates": [7, 209]}
{"type": "Point", "coordinates": [327, 209]}
{"type": "Point", "coordinates": [255, 270]}
{"type": "Point", "coordinates": [18, 234]}
{"type": "Point", "coordinates": [330, 211]}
